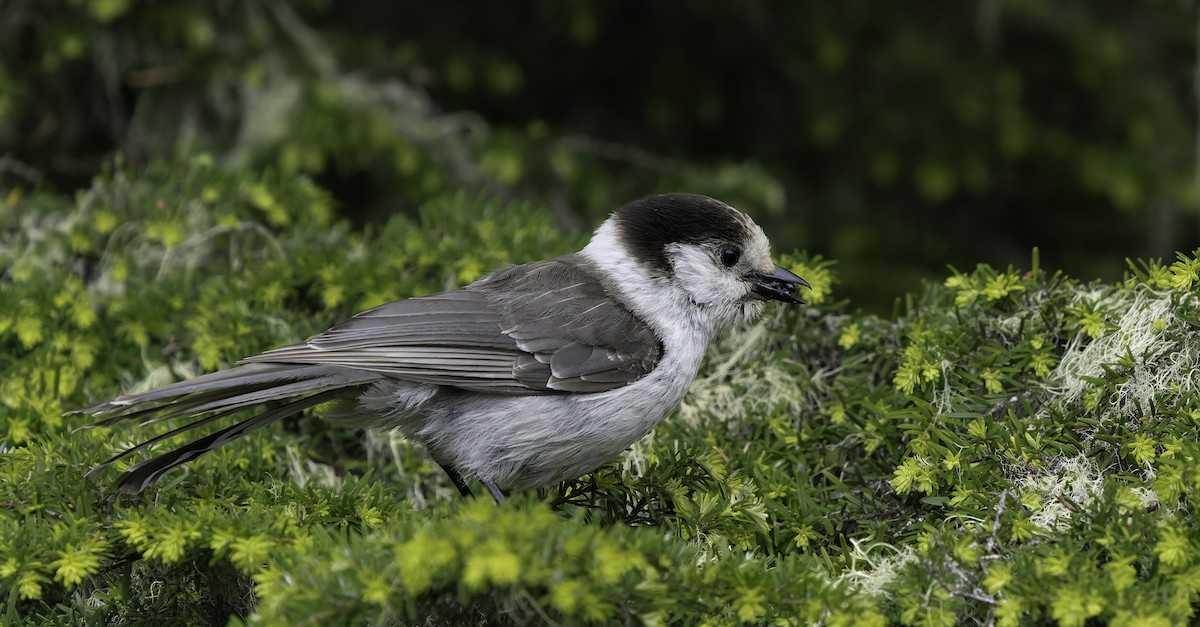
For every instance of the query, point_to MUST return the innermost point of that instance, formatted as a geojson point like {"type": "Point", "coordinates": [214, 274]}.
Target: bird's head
{"type": "Point", "coordinates": [692, 255]}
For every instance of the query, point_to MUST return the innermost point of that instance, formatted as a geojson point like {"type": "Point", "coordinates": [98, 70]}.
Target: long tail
{"type": "Point", "coordinates": [215, 396]}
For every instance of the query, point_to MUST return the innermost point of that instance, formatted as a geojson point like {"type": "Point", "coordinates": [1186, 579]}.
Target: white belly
{"type": "Point", "coordinates": [530, 441]}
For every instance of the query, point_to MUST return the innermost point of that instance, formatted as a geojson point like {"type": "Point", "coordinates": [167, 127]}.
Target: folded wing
{"type": "Point", "coordinates": [539, 328]}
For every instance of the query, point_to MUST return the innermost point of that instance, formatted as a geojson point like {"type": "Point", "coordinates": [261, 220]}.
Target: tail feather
{"type": "Point", "coordinates": [219, 400]}
{"type": "Point", "coordinates": [159, 438]}
{"type": "Point", "coordinates": [256, 376]}
{"type": "Point", "coordinates": [144, 474]}
{"type": "Point", "coordinates": [216, 396]}
{"type": "Point", "coordinates": [179, 407]}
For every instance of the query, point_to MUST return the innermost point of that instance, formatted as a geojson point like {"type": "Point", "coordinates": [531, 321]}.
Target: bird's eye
{"type": "Point", "coordinates": [730, 257]}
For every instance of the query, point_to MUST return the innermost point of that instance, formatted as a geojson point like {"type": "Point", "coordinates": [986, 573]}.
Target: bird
{"type": "Point", "coordinates": [535, 374]}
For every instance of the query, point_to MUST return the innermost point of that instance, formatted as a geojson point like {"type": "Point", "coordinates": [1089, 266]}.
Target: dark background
{"type": "Point", "coordinates": [896, 138]}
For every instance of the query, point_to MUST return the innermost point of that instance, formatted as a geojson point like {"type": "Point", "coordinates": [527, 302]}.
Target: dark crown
{"type": "Point", "coordinates": [648, 225]}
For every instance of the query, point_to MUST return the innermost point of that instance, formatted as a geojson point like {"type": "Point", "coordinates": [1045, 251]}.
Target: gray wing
{"type": "Point", "coordinates": [539, 328]}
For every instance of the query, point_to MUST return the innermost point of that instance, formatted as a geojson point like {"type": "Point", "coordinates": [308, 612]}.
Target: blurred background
{"type": "Point", "coordinates": [896, 138]}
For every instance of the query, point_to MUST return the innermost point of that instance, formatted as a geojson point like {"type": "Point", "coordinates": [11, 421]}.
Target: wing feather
{"type": "Point", "coordinates": [539, 328]}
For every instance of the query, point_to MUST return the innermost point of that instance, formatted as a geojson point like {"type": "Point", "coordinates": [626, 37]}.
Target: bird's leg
{"type": "Point", "coordinates": [456, 479]}
{"type": "Point", "coordinates": [497, 493]}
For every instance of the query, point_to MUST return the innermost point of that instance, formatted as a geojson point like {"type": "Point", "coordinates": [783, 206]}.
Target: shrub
{"type": "Point", "coordinates": [1010, 446]}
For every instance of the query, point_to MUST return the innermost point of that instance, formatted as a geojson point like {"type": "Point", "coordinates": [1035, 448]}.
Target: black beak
{"type": "Point", "coordinates": [780, 285]}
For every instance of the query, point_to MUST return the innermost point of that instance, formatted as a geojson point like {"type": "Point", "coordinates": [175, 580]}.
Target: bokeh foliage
{"type": "Point", "coordinates": [902, 137]}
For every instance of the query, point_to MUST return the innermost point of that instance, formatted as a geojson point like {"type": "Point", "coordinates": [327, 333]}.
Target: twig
{"type": "Point", "coordinates": [993, 539]}
{"type": "Point", "coordinates": [621, 152]}
{"type": "Point", "coordinates": [10, 165]}
{"type": "Point", "coordinates": [974, 593]}
{"type": "Point", "coordinates": [1009, 402]}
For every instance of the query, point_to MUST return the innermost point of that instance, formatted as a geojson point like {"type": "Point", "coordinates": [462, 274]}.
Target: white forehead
{"type": "Point", "coordinates": [758, 247]}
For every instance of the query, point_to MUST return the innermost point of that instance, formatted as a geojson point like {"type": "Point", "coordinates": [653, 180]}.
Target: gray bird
{"type": "Point", "coordinates": [536, 374]}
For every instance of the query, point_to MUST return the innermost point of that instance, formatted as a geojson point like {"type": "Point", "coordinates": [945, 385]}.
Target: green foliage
{"type": "Point", "coordinates": [1015, 446]}
{"type": "Point", "coordinates": [1008, 447]}
{"type": "Point", "coordinates": [523, 564]}
{"type": "Point", "coordinates": [258, 86]}
{"type": "Point", "coordinates": [900, 137]}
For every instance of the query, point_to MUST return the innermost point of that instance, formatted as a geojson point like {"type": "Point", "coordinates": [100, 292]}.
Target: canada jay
{"type": "Point", "coordinates": [535, 374]}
